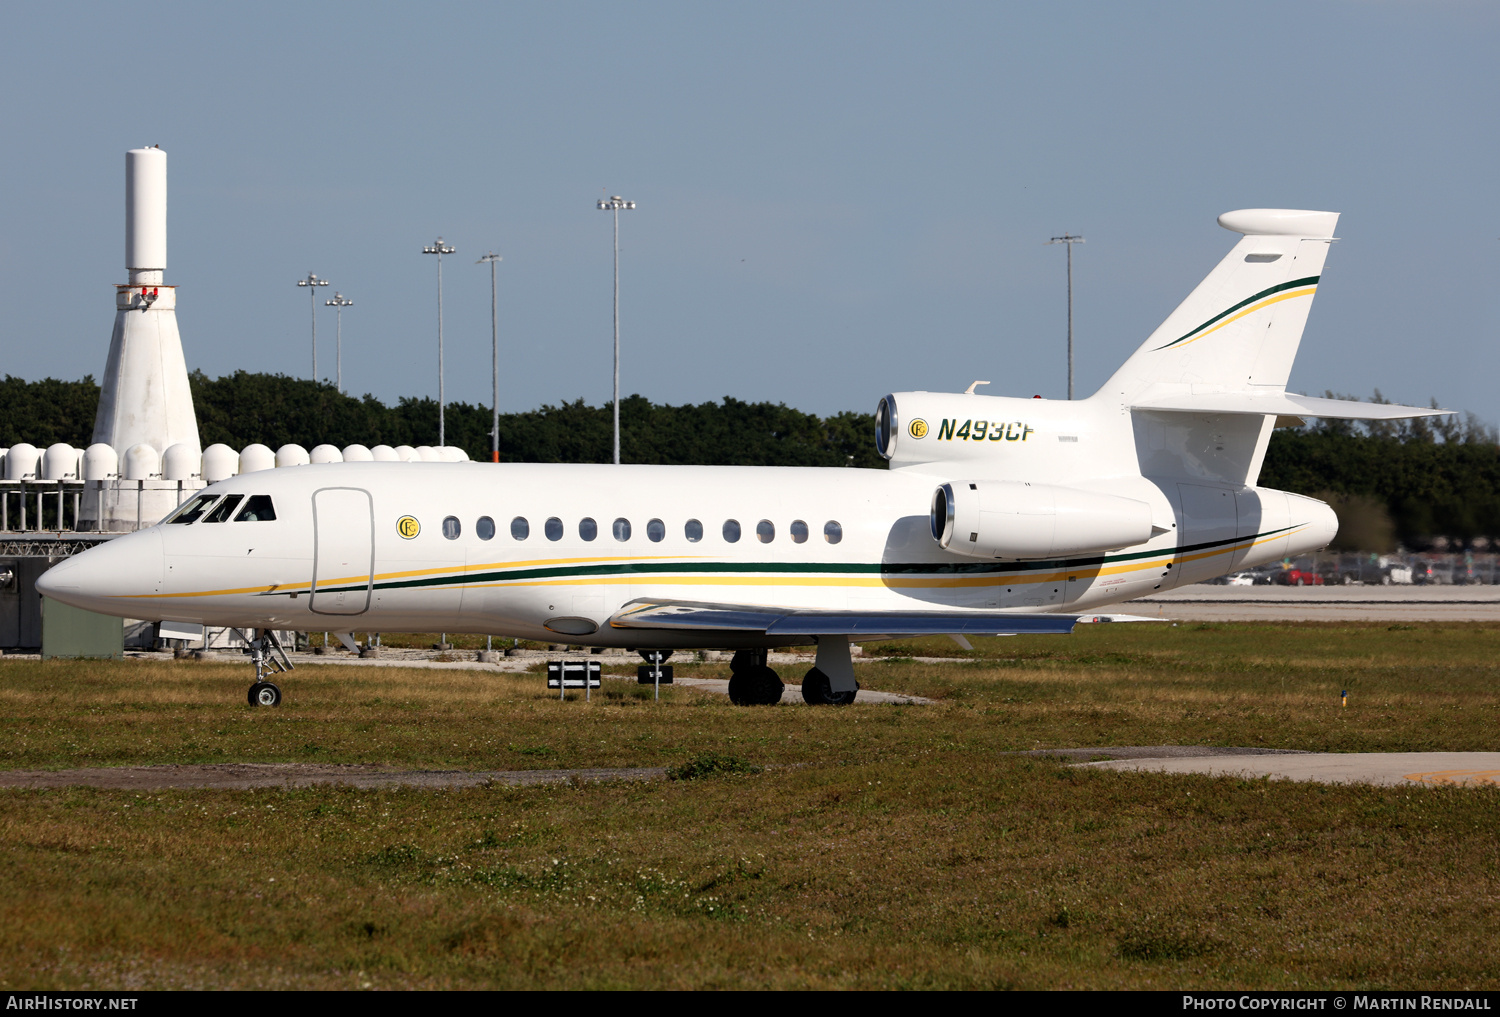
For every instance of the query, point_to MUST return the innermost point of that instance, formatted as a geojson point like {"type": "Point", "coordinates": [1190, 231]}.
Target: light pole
{"type": "Point", "coordinates": [340, 302]}
{"type": "Point", "coordinates": [439, 248]}
{"type": "Point", "coordinates": [1068, 240]}
{"type": "Point", "coordinates": [492, 258]}
{"type": "Point", "coordinates": [312, 283]}
{"type": "Point", "coordinates": [615, 204]}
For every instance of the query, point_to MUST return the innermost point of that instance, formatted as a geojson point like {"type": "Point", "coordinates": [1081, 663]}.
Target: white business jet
{"type": "Point", "coordinates": [998, 515]}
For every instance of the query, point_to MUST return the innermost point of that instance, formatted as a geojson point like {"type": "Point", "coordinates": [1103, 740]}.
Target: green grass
{"type": "Point", "coordinates": [879, 846]}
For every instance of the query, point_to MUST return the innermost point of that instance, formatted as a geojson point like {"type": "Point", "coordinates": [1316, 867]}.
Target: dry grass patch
{"type": "Point", "coordinates": [880, 846]}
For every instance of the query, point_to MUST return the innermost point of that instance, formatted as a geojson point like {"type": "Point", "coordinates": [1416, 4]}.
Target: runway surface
{"type": "Point", "coordinates": [1321, 603]}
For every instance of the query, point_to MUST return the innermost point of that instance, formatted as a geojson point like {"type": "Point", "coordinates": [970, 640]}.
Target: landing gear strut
{"type": "Point", "coordinates": [268, 657]}
{"type": "Point", "coordinates": [751, 682]}
{"type": "Point", "coordinates": [831, 681]}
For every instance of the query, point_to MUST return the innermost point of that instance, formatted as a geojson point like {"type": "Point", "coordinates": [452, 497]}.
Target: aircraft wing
{"type": "Point", "coordinates": [694, 616]}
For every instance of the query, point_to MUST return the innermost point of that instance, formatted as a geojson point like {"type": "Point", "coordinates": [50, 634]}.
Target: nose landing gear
{"type": "Point", "coordinates": [269, 658]}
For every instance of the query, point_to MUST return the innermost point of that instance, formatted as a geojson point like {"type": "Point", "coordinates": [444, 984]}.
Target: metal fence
{"type": "Point", "coordinates": [1426, 568]}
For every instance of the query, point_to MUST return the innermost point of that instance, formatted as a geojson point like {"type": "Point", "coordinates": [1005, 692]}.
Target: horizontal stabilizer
{"type": "Point", "coordinates": [1284, 404]}
{"type": "Point", "coordinates": [679, 615]}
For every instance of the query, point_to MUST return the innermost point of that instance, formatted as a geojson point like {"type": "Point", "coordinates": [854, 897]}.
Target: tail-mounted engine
{"type": "Point", "coordinates": [1014, 519]}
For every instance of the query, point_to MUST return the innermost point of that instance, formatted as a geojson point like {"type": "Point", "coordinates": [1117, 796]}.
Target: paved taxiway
{"type": "Point", "coordinates": [791, 695]}
{"type": "Point", "coordinates": [1387, 768]}
{"type": "Point", "coordinates": [1321, 603]}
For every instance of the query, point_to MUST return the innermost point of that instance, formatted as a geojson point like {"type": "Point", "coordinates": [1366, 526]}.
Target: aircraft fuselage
{"type": "Point", "coordinates": [553, 552]}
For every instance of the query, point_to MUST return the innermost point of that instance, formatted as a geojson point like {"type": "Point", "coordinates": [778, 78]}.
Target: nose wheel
{"type": "Point", "coordinates": [264, 694]}
{"type": "Point", "coordinates": [268, 657]}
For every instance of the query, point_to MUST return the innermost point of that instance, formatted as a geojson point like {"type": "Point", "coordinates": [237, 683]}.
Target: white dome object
{"type": "Point", "coordinates": [291, 455]}
{"type": "Point", "coordinates": [60, 462]}
{"type": "Point", "coordinates": [357, 454]}
{"type": "Point", "coordinates": [428, 454]}
{"type": "Point", "coordinates": [181, 462]}
{"type": "Point", "coordinates": [453, 454]}
{"type": "Point", "coordinates": [326, 454]}
{"type": "Point", "coordinates": [21, 462]}
{"type": "Point", "coordinates": [406, 453]}
{"type": "Point", "coordinates": [100, 462]}
{"type": "Point", "coordinates": [254, 458]}
{"type": "Point", "coordinates": [385, 454]}
{"type": "Point", "coordinates": [219, 463]}
{"type": "Point", "coordinates": [142, 462]}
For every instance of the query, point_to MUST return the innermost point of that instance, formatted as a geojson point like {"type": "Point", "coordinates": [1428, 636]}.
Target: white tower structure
{"type": "Point", "coordinates": [145, 399]}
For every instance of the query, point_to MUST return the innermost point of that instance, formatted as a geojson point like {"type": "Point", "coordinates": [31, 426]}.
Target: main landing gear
{"type": "Point", "coordinates": [817, 690]}
{"type": "Point", "coordinates": [751, 682]}
{"type": "Point", "coordinates": [268, 656]}
{"type": "Point", "coordinates": [830, 683]}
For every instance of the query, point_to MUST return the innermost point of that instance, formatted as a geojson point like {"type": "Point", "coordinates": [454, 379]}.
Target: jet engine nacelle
{"type": "Point", "coordinates": [1015, 519]}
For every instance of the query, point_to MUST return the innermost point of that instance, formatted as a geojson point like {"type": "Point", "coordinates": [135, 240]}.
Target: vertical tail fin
{"type": "Point", "coordinates": [1240, 328]}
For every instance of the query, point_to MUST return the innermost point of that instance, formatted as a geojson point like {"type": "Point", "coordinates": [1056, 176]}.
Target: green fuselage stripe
{"type": "Point", "coordinates": [795, 568]}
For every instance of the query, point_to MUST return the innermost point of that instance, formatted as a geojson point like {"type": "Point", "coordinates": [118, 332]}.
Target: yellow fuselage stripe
{"type": "Point", "coordinates": [731, 579]}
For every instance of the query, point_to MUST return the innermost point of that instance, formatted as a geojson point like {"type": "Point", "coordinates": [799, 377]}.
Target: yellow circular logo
{"type": "Point", "coordinates": [408, 527]}
{"type": "Point", "coordinates": [917, 428]}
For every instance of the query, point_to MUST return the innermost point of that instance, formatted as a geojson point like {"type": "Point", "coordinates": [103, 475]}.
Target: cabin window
{"type": "Point", "coordinates": [622, 529]}
{"type": "Point", "coordinates": [833, 532]}
{"type": "Point", "coordinates": [520, 529]}
{"type": "Point", "coordinates": [656, 531]}
{"type": "Point", "coordinates": [193, 509]}
{"type": "Point", "coordinates": [693, 531]}
{"type": "Point", "coordinates": [765, 531]}
{"type": "Point", "coordinates": [799, 531]}
{"type": "Point", "coordinates": [485, 527]}
{"type": "Point", "coordinates": [731, 530]}
{"type": "Point", "coordinates": [225, 509]}
{"type": "Point", "coordinates": [587, 528]}
{"type": "Point", "coordinates": [452, 527]}
{"type": "Point", "coordinates": [554, 528]}
{"type": "Point", "coordinates": [258, 509]}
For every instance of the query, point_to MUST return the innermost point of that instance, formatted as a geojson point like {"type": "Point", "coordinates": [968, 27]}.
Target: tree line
{"type": "Point", "coordinates": [1406, 481]}
{"type": "Point", "coordinates": [244, 408]}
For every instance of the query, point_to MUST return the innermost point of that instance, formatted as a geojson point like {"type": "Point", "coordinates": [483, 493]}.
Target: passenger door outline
{"type": "Point", "coordinates": [343, 547]}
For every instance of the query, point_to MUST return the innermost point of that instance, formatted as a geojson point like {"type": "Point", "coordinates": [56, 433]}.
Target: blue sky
{"type": "Point", "coordinates": [835, 200]}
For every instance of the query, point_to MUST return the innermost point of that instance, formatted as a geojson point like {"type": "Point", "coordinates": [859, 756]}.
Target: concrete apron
{"type": "Point", "coordinates": [1431, 769]}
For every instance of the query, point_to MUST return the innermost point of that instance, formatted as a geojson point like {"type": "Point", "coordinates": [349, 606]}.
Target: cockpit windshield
{"type": "Point", "coordinates": [257, 509]}
{"type": "Point", "coordinates": [193, 509]}
{"type": "Point", "coordinates": [225, 509]}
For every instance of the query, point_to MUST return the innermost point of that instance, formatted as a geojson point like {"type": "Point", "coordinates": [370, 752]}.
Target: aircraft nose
{"type": "Point", "coordinates": [111, 578]}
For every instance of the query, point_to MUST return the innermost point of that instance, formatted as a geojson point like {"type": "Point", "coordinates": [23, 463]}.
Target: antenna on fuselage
{"type": "Point", "coordinates": [971, 388]}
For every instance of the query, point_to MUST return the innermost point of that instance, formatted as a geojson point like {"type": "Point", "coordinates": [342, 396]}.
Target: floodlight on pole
{"type": "Point", "coordinates": [312, 283]}
{"type": "Point", "coordinates": [339, 302]}
{"type": "Point", "coordinates": [616, 204]}
{"type": "Point", "coordinates": [492, 258]}
{"type": "Point", "coordinates": [1068, 240]}
{"type": "Point", "coordinates": [439, 248]}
